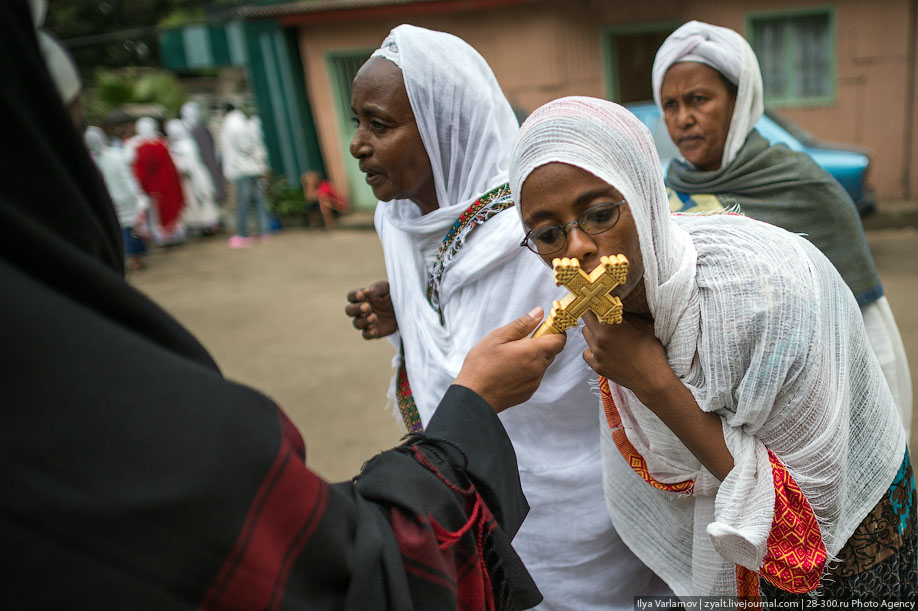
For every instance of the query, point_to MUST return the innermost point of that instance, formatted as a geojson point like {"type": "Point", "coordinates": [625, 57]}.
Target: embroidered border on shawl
{"type": "Point", "coordinates": [796, 555]}
{"type": "Point", "coordinates": [406, 405]}
{"type": "Point", "coordinates": [628, 451]}
{"type": "Point", "coordinates": [484, 208]}
{"type": "Point", "coordinates": [747, 584]}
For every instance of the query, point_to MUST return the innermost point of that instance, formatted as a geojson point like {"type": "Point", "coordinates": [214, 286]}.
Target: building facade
{"type": "Point", "coordinates": [845, 70]}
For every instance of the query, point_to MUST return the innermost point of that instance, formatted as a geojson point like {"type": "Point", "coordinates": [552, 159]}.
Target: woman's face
{"type": "Point", "coordinates": [697, 108]}
{"type": "Point", "coordinates": [557, 194]}
{"type": "Point", "coordinates": [387, 143]}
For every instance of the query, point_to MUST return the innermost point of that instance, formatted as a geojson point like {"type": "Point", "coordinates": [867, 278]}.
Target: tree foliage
{"type": "Point", "coordinates": [115, 33]}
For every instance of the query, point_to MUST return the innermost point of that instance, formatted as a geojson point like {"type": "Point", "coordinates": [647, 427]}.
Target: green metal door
{"type": "Point", "coordinates": [343, 66]}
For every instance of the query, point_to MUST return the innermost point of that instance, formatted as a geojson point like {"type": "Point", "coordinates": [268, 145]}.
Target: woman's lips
{"type": "Point", "coordinates": [373, 178]}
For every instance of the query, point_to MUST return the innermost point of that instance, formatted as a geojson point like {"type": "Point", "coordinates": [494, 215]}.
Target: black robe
{"type": "Point", "coordinates": [134, 476]}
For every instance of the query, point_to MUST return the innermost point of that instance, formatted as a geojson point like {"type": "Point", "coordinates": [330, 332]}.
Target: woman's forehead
{"type": "Point", "coordinates": [380, 82]}
{"type": "Point", "coordinates": [558, 186]}
{"type": "Point", "coordinates": [689, 74]}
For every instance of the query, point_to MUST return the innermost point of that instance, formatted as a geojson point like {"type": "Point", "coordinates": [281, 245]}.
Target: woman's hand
{"type": "Point", "coordinates": [630, 355]}
{"type": "Point", "coordinates": [372, 310]}
{"type": "Point", "coordinates": [627, 353]}
{"type": "Point", "coordinates": [506, 367]}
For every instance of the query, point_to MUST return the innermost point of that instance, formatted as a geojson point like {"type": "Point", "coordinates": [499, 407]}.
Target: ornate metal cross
{"type": "Point", "coordinates": [588, 292]}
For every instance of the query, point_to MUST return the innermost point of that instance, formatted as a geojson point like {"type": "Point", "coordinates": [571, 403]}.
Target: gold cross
{"type": "Point", "coordinates": [587, 292]}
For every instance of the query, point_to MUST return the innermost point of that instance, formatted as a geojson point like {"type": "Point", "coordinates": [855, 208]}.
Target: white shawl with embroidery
{"type": "Point", "coordinates": [761, 328]}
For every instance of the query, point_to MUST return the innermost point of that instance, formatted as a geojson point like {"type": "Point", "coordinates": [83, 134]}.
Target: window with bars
{"type": "Point", "coordinates": [796, 55]}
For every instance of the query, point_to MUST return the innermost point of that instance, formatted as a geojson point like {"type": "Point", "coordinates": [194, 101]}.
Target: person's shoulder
{"type": "Point", "coordinates": [754, 254]}
{"type": "Point", "coordinates": [802, 163]}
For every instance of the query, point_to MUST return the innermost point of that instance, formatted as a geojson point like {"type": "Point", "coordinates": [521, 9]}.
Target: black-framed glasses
{"type": "Point", "coordinates": [596, 219]}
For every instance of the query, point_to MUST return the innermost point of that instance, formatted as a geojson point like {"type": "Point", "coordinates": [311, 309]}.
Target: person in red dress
{"type": "Point", "coordinates": [156, 173]}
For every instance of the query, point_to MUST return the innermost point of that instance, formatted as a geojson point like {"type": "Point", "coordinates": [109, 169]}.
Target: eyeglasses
{"type": "Point", "coordinates": [594, 220]}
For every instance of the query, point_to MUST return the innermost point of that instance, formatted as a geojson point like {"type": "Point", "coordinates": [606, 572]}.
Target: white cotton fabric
{"type": "Point", "coordinates": [467, 127]}
{"type": "Point", "coordinates": [388, 50]}
{"type": "Point", "coordinates": [763, 331]}
{"type": "Point", "coordinates": [239, 148]}
{"type": "Point", "coordinates": [191, 114]}
{"type": "Point", "coordinates": [60, 64]}
{"type": "Point", "coordinates": [887, 345]}
{"type": "Point", "coordinates": [145, 130]}
{"type": "Point", "coordinates": [728, 53]}
{"type": "Point", "coordinates": [122, 187]}
{"type": "Point", "coordinates": [200, 211]}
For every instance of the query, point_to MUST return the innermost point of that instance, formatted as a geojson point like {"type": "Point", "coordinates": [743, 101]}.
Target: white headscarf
{"type": "Point", "coordinates": [119, 180]}
{"type": "Point", "coordinates": [191, 113]}
{"type": "Point", "coordinates": [198, 186]}
{"type": "Point", "coordinates": [467, 127]}
{"type": "Point", "coordinates": [763, 331]}
{"type": "Point", "coordinates": [60, 64]}
{"type": "Point", "coordinates": [95, 139]}
{"type": "Point", "coordinates": [176, 130]}
{"type": "Point", "coordinates": [145, 130]}
{"type": "Point", "coordinates": [728, 53]}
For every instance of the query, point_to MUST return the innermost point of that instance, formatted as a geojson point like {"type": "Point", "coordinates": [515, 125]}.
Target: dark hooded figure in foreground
{"type": "Point", "coordinates": [135, 476]}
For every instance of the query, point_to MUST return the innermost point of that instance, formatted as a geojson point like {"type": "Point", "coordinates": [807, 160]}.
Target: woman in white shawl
{"type": "Point", "coordinates": [433, 136]}
{"type": "Point", "coordinates": [200, 214]}
{"type": "Point", "coordinates": [707, 83]}
{"type": "Point", "coordinates": [751, 444]}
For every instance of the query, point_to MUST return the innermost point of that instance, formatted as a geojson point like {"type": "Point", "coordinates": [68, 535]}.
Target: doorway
{"type": "Point", "coordinates": [343, 67]}
{"type": "Point", "coordinates": [629, 52]}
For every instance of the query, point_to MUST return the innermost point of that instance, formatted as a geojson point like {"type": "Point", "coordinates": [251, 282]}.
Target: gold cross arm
{"type": "Point", "coordinates": [587, 292]}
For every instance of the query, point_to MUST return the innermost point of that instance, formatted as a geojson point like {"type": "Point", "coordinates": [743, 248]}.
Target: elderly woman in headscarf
{"type": "Point", "coordinates": [433, 136]}
{"type": "Point", "coordinates": [707, 83]}
{"type": "Point", "coordinates": [155, 171]}
{"type": "Point", "coordinates": [200, 213]}
{"type": "Point", "coordinates": [751, 445]}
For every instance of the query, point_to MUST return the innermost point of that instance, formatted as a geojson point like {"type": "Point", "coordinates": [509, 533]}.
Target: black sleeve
{"type": "Point", "coordinates": [465, 419]}
{"type": "Point", "coordinates": [444, 501]}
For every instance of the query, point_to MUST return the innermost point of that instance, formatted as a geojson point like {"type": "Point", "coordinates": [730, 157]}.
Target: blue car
{"type": "Point", "coordinates": [847, 164]}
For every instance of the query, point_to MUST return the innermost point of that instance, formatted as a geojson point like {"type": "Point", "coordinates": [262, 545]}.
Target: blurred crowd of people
{"type": "Point", "coordinates": [168, 181]}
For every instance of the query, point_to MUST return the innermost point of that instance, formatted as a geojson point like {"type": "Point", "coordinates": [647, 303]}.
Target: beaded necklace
{"type": "Point", "coordinates": [484, 208]}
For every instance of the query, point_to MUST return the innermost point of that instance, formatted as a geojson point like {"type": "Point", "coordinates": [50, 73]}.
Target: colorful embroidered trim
{"type": "Point", "coordinates": [629, 453]}
{"type": "Point", "coordinates": [796, 555]}
{"type": "Point", "coordinates": [484, 208]}
{"type": "Point", "coordinates": [406, 405]}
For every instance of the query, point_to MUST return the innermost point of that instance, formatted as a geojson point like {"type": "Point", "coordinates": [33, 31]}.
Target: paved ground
{"type": "Point", "coordinates": [273, 318]}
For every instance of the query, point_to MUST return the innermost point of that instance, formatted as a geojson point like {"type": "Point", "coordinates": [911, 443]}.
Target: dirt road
{"type": "Point", "coordinates": [273, 318]}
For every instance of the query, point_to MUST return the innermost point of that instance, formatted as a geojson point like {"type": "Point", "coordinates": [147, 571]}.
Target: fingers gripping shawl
{"type": "Point", "coordinates": [782, 359]}
{"type": "Point", "coordinates": [728, 53]}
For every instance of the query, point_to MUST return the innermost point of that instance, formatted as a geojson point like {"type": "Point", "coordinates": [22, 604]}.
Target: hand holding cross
{"type": "Point", "coordinates": [587, 292]}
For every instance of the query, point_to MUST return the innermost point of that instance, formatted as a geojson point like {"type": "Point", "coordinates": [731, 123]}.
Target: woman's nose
{"type": "Point", "coordinates": [684, 116]}
{"type": "Point", "coordinates": [359, 147]}
{"type": "Point", "coordinates": [580, 244]}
